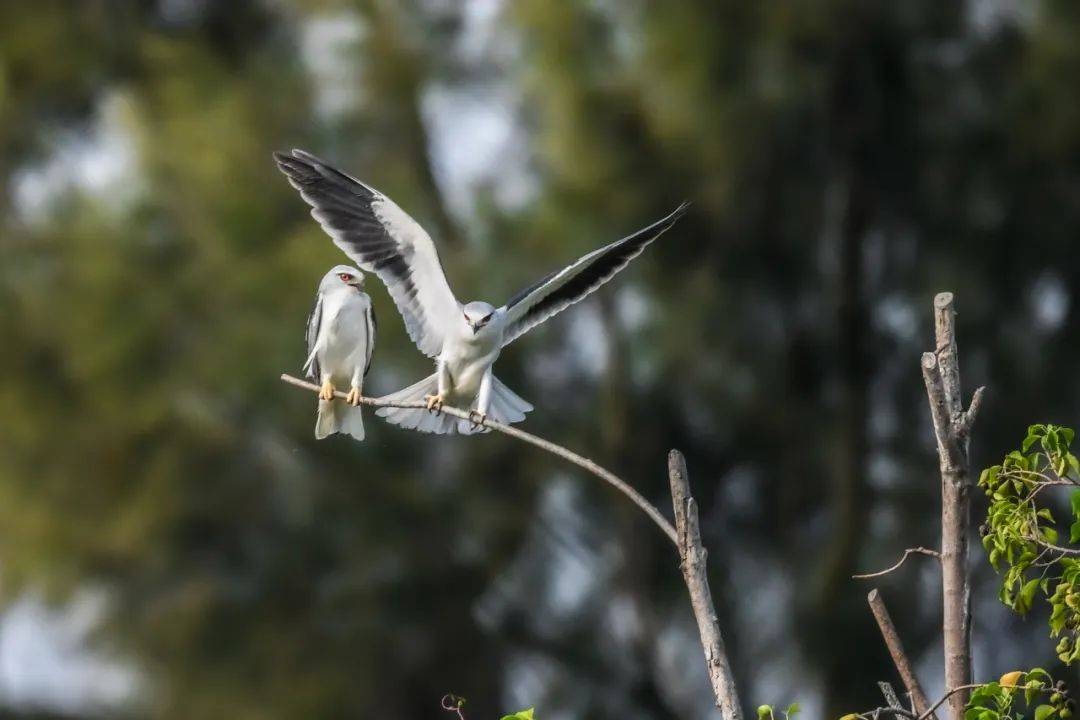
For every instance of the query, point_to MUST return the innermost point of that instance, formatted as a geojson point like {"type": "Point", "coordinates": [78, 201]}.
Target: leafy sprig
{"type": "Point", "coordinates": [1022, 537]}
{"type": "Point", "coordinates": [766, 712]}
{"type": "Point", "coordinates": [1001, 700]}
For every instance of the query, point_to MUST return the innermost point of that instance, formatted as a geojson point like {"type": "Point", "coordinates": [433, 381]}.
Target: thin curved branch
{"type": "Point", "coordinates": [946, 696]}
{"type": "Point", "coordinates": [1065, 552]}
{"type": "Point", "coordinates": [876, 713]}
{"type": "Point", "coordinates": [453, 703]}
{"type": "Point", "coordinates": [919, 550]}
{"type": "Point", "coordinates": [557, 450]}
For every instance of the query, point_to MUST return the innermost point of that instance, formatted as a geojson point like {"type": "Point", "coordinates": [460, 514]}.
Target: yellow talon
{"type": "Point", "coordinates": [326, 392]}
{"type": "Point", "coordinates": [434, 402]}
{"type": "Point", "coordinates": [353, 398]}
{"type": "Point", "coordinates": [477, 418]}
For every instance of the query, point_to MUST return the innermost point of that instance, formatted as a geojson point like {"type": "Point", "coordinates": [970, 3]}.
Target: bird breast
{"type": "Point", "coordinates": [345, 331]}
{"type": "Point", "coordinates": [468, 357]}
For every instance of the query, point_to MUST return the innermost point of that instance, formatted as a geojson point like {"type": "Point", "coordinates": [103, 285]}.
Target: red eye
{"type": "Point", "coordinates": [345, 277]}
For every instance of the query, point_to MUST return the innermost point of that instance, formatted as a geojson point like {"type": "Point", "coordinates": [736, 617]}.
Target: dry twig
{"type": "Point", "coordinates": [919, 550]}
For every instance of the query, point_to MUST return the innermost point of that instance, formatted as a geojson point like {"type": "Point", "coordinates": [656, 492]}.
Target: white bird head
{"type": "Point", "coordinates": [478, 314]}
{"type": "Point", "coordinates": [342, 276]}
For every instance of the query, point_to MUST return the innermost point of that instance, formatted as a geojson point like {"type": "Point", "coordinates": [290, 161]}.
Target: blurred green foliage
{"type": "Point", "coordinates": [846, 160]}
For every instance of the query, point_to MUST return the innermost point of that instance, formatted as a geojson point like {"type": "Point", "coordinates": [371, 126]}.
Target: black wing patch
{"type": "Point", "coordinates": [571, 284]}
{"type": "Point", "coordinates": [522, 294]}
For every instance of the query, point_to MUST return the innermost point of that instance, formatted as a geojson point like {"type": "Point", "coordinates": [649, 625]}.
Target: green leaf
{"type": "Point", "coordinates": [763, 711]}
{"type": "Point", "coordinates": [1057, 619]}
{"type": "Point", "coordinates": [524, 715]}
{"type": "Point", "coordinates": [1044, 711]}
{"type": "Point", "coordinates": [792, 710]}
{"type": "Point", "coordinates": [1028, 442]}
{"type": "Point", "coordinates": [1026, 598]}
{"type": "Point", "coordinates": [984, 694]}
{"type": "Point", "coordinates": [1074, 531]}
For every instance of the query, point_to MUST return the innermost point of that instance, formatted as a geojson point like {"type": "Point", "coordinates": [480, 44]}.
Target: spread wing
{"type": "Point", "coordinates": [311, 366]}
{"type": "Point", "coordinates": [380, 238]}
{"type": "Point", "coordinates": [559, 290]}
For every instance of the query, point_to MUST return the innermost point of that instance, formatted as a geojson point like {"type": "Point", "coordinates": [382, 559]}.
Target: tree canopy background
{"type": "Point", "coordinates": [162, 498]}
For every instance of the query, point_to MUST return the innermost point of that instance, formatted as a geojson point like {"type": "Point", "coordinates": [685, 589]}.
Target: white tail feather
{"type": "Point", "coordinates": [336, 416]}
{"type": "Point", "coordinates": [506, 407]}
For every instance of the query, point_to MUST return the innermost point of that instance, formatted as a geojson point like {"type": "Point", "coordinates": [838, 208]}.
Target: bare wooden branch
{"type": "Point", "coordinates": [896, 651]}
{"type": "Point", "coordinates": [910, 551]}
{"type": "Point", "coordinates": [557, 450]}
{"type": "Point", "coordinates": [973, 409]}
{"type": "Point", "coordinates": [948, 451]}
{"type": "Point", "coordinates": [878, 713]}
{"type": "Point", "coordinates": [952, 426]}
{"type": "Point", "coordinates": [945, 335]}
{"type": "Point", "coordinates": [890, 696]}
{"type": "Point", "coordinates": [693, 563]}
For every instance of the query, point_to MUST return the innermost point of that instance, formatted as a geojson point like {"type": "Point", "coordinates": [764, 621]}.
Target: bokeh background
{"type": "Point", "coordinates": [174, 543]}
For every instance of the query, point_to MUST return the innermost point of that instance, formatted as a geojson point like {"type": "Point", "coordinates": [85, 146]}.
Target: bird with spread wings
{"type": "Point", "coordinates": [464, 339]}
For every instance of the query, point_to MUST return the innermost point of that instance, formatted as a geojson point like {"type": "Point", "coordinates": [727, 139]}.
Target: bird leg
{"type": "Point", "coordinates": [477, 418]}
{"type": "Point", "coordinates": [353, 398]}
{"type": "Point", "coordinates": [326, 392]}
{"type": "Point", "coordinates": [434, 402]}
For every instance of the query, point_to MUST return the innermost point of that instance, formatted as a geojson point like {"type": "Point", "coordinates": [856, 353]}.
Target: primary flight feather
{"type": "Point", "coordinates": [464, 339]}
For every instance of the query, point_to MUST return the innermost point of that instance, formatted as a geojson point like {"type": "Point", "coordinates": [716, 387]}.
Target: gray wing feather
{"type": "Point", "coordinates": [372, 329]}
{"type": "Point", "coordinates": [559, 290]}
{"type": "Point", "coordinates": [381, 238]}
{"type": "Point", "coordinates": [311, 367]}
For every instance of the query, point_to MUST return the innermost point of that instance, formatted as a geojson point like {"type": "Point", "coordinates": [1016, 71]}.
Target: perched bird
{"type": "Point", "coordinates": [340, 340]}
{"type": "Point", "coordinates": [464, 339]}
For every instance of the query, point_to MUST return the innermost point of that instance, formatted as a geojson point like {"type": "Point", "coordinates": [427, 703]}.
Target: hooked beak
{"type": "Point", "coordinates": [475, 328]}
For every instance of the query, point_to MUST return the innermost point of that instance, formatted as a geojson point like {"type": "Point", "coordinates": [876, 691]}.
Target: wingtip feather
{"type": "Point", "coordinates": [680, 211]}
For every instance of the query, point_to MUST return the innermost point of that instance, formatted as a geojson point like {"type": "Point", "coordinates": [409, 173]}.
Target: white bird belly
{"type": "Point", "coordinates": [467, 363]}
{"type": "Point", "coordinates": [344, 341]}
